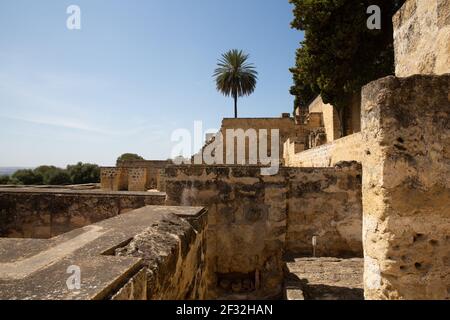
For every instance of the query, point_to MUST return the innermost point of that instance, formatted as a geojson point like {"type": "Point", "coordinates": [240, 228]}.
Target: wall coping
{"type": "Point", "coordinates": [44, 275]}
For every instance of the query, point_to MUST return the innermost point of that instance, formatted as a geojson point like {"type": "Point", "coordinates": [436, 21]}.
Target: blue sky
{"type": "Point", "coordinates": [135, 72]}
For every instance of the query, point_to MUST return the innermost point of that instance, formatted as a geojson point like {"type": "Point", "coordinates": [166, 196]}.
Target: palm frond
{"type": "Point", "coordinates": [234, 75]}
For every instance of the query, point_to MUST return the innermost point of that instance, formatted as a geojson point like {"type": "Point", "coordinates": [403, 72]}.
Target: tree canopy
{"type": "Point", "coordinates": [84, 173]}
{"type": "Point", "coordinates": [339, 53]}
{"type": "Point", "coordinates": [129, 157]}
{"type": "Point", "coordinates": [81, 173]}
{"type": "Point", "coordinates": [28, 177]}
{"type": "Point", "coordinates": [4, 179]}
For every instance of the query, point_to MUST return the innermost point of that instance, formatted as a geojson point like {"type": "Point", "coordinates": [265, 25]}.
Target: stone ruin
{"type": "Point", "coordinates": [363, 216]}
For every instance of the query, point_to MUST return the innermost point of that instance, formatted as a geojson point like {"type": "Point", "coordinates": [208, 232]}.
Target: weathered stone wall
{"type": "Point", "coordinates": [286, 126]}
{"type": "Point", "coordinates": [155, 252]}
{"type": "Point", "coordinates": [325, 203]}
{"type": "Point", "coordinates": [137, 179]}
{"type": "Point", "coordinates": [113, 179]}
{"type": "Point", "coordinates": [422, 37]}
{"type": "Point", "coordinates": [253, 219]}
{"type": "Point", "coordinates": [42, 213]}
{"type": "Point", "coordinates": [136, 175]}
{"type": "Point", "coordinates": [173, 252]}
{"type": "Point", "coordinates": [345, 149]}
{"type": "Point", "coordinates": [153, 167]}
{"type": "Point", "coordinates": [330, 118]}
{"type": "Point", "coordinates": [406, 187]}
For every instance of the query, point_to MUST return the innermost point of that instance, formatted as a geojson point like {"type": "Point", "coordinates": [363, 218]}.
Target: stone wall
{"type": "Point", "coordinates": [113, 179]}
{"type": "Point", "coordinates": [325, 203]}
{"type": "Point", "coordinates": [136, 175]}
{"type": "Point", "coordinates": [422, 38]}
{"type": "Point", "coordinates": [153, 169]}
{"type": "Point", "coordinates": [152, 253]}
{"type": "Point", "coordinates": [173, 252]}
{"type": "Point", "coordinates": [406, 187]}
{"type": "Point", "coordinates": [345, 149]}
{"type": "Point", "coordinates": [45, 213]}
{"type": "Point", "coordinates": [137, 179]}
{"type": "Point", "coordinates": [330, 118]}
{"type": "Point", "coordinates": [253, 219]}
{"type": "Point", "coordinates": [286, 126]}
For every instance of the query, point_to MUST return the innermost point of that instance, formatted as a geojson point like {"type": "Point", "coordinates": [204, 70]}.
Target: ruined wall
{"type": "Point", "coordinates": [113, 179]}
{"type": "Point", "coordinates": [155, 252]}
{"type": "Point", "coordinates": [406, 187]}
{"type": "Point", "coordinates": [153, 169]}
{"type": "Point", "coordinates": [136, 175]}
{"type": "Point", "coordinates": [345, 149]}
{"type": "Point", "coordinates": [330, 118]}
{"type": "Point", "coordinates": [173, 252]}
{"type": "Point", "coordinates": [46, 213]}
{"type": "Point", "coordinates": [325, 203]}
{"type": "Point", "coordinates": [137, 179]}
{"type": "Point", "coordinates": [422, 37]}
{"type": "Point", "coordinates": [253, 219]}
{"type": "Point", "coordinates": [286, 126]}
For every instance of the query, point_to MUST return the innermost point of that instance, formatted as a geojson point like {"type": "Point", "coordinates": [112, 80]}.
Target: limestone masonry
{"type": "Point", "coordinates": [361, 214]}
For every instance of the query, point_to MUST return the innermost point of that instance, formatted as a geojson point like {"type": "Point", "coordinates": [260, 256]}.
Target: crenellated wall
{"type": "Point", "coordinates": [254, 219]}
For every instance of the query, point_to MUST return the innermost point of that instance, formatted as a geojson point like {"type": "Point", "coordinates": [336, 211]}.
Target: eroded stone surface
{"type": "Point", "coordinates": [422, 38]}
{"type": "Point", "coordinates": [406, 189]}
{"type": "Point", "coordinates": [45, 213]}
{"type": "Point", "coordinates": [116, 262]}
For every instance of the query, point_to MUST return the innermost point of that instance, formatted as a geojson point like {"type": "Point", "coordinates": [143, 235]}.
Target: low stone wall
{"type": "Point", "coordinates": [173, 252]}
{"type": "Point", "coordinates": [422, 38]}
{"type": "Point", "coordinates": [151, 253]}
{"type": "Point", "coordinates": [253, 219]}
{"type": "Point", "coordinates": [406, 187]}
{"type": "Point", "coordinates": [45, 213]}
{"type": "Point", "coordinates": [345, 149]}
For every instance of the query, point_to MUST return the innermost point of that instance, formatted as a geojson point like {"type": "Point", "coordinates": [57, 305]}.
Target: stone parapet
{"type": "Point", "coordinates": [45, 213]}
{"type": "Point", "coordinates": [151, 253]}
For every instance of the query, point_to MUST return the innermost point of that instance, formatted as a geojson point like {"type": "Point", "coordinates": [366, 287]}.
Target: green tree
{"type": "Point", "coordinates": [128, 157]}
{"type": "Point", "coordinates": [84, 173]}
{"type": "Point", "coordinates": [58, 177]}
{"type": "Point", "coordinates": [235, 76]}
{"type": "Point", "coordinates": [339, 53]}
{"type": "Point", "coordinates": [46, 172]}
{"type": "Point", "coordinates": [27, 177]}
{"type": "Point", "coordinates": [4, 179]}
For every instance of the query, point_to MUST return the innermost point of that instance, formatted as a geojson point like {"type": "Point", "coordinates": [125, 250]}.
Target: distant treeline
{"type": "Point", "coordinates": [79, 173]}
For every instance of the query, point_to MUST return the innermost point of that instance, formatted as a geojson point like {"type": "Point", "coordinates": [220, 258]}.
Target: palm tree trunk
{"type": "Point", "coordinates": [235, 106]}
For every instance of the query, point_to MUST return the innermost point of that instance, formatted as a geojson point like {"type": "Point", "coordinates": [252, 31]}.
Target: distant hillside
{"type": "Point", "coordinates": [10, 170]}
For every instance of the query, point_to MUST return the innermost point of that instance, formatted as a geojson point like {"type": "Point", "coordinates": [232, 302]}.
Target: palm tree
{"type": "Point", "coordinates": [235, 76]}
